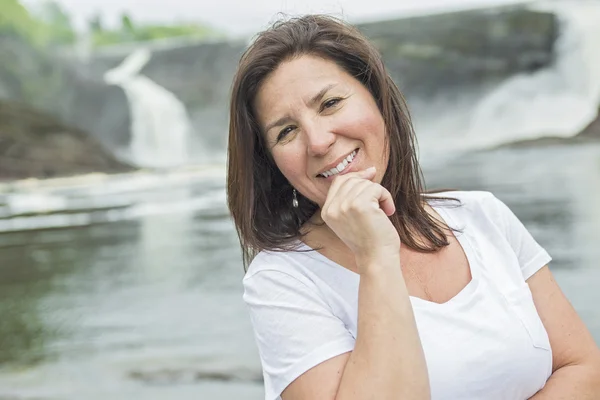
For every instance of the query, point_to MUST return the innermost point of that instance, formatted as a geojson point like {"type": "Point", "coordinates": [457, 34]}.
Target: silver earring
{"type": "Point", "coordinates": [295, 199]}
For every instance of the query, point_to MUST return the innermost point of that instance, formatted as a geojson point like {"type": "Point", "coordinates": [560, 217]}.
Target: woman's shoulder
{"type": "Point", "coordinates": [280, 276]}
{"type": "Point", "coordinates": [466, 197]}
{"type": "Point", "coordinates": [281, 262]}
{"type": "Point", "coordinates": [473, 204]}
{"type": "Point", "coordinates": [469, 198]}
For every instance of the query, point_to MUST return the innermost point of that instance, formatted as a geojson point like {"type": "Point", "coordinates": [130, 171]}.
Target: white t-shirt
{"type": "Point", "coordinates": [487, 342]}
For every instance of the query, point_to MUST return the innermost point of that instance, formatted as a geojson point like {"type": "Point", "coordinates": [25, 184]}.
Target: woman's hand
{"type": "Point", "coordinates": [357, 210]}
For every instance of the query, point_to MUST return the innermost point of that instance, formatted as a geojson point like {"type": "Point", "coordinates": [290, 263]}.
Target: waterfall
{"type": "Point", "coordinates": [558, 101]}
{"type": "Point", "coordinates": [160, 127]}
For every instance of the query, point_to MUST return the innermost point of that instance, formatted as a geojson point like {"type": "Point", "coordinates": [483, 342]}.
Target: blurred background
{"type": "Point", "coordinates": [120, 271]}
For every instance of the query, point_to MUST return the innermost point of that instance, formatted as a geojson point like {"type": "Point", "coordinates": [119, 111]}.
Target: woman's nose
{"type": "Point", "coordinates": [319, 141]}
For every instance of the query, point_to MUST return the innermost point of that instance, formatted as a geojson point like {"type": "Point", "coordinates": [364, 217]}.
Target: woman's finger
{"type": "Point", "coordinates": [370, 193]}
{"type": "Point", "coordinates": [340, 180]}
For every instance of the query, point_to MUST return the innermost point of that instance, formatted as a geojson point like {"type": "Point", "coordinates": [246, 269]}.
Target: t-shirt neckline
{"type": "Point", "coordinates": [462, 236]}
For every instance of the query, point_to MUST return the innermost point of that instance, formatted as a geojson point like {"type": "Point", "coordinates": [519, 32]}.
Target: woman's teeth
{"type": "Point", "coordinates": [341, 166]}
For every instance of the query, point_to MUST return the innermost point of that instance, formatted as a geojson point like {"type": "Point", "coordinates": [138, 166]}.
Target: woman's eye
{"type": "Point", "coordinates": [284, 132]}
{"type": "Point", "coordinates": [330, 103]}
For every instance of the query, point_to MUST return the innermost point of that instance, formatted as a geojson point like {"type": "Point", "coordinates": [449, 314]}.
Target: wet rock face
{"type": "Point", "coordinates": [33, 76]}
{"type": "Point", "coordinates": [34, 144]}
{"type": "Point", "coordinates": [426, 55]}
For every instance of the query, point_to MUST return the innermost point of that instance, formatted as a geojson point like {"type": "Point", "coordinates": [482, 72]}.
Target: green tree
{"type": "Point", "coordinates": [15, 19]}
{"type": "Point", "coordinates": [57, 24]}
{"type": "Point", "coordinates": [127, 23]}
{"type": "Point", "coordinates": [50, 25]}
{"type": "Point", "coordinates": [135, 32]}
{"type": "Point", "coordinates": [96, 24]}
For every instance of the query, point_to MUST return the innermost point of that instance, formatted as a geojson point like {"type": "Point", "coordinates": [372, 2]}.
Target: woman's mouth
{"type": "Point", "coordinates": [341, 167]}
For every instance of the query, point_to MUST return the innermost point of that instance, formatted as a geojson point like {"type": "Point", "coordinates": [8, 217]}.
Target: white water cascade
{"type": "Point", "coordinates": [558, 101]}
{"type": "Point", "coordinates": [160, 127]}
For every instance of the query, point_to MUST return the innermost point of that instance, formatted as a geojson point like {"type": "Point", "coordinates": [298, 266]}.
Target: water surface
{"type": "Point", "coordinates": [144, 300]}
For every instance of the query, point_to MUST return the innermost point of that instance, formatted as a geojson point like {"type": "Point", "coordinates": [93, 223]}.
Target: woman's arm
{"type": "Point", "coordinates": [388, 360]}
{"type": "Point", "coordinates": [576, 357]}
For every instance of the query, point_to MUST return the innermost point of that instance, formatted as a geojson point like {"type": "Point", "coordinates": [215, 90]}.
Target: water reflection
{"type": "Point", "coordinates": [23, 334]}
{"type": "Point", "coordinates": [42, 272]}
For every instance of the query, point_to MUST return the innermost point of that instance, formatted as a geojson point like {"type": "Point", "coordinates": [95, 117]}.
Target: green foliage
{"type": "Point", "coordinates": [96, 24]}
{"type": "Point", "coordinates": [57, 23]}
{"type": "Point", "coordinates": [49, 24]}
{"type": "Point", "coordinates": [127, 24]}
{"type": "Point", "coordinates": [51, 27]}
{"type": "Point", "coordinates": [130, 32]}
{"type": "Point", "coordinates": [15, 19]}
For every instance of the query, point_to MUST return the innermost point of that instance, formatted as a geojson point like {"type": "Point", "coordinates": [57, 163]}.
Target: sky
{"type": "Point", "coordinates": [245, 17]}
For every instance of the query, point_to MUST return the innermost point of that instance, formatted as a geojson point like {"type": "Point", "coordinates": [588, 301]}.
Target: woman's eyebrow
{"type": "Point", "coordinates": [317, 98]}
{"type": "Point", "coordinates": [314, 100]}
{"type": "Point", "coordinates": [280, 121]}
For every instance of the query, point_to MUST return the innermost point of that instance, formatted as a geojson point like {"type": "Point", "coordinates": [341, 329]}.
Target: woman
{"type": "Point", "coordinates": [360, 285]}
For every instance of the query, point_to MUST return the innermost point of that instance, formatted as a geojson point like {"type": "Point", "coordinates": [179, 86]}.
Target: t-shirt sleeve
{"type": "Point", "coordinates": [294, 328]}
{"type": "Point", "coordinates": [532, 257]}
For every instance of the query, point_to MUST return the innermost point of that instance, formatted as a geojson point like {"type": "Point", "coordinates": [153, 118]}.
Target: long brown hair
{"type": "Point", "coordinates": [259, 196]}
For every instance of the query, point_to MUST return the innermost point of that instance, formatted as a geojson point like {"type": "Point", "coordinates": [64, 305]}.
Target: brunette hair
{"type": "Point", "coordinates": [259, 196]}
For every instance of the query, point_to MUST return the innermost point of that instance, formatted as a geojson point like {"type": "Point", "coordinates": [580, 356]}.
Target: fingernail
{"type": "Point", "coordinates": [370, 170]}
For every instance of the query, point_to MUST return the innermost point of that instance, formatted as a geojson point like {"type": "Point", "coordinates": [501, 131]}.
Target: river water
{"type": "Point", "coordinates": [131, 286]}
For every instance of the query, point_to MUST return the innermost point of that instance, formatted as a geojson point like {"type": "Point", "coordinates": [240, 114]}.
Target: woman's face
{"type": "Point", "coordinates": [315, 118]}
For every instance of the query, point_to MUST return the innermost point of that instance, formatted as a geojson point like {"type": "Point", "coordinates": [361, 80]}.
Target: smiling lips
{"type": "Point", "coordinates": [340, 167]}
